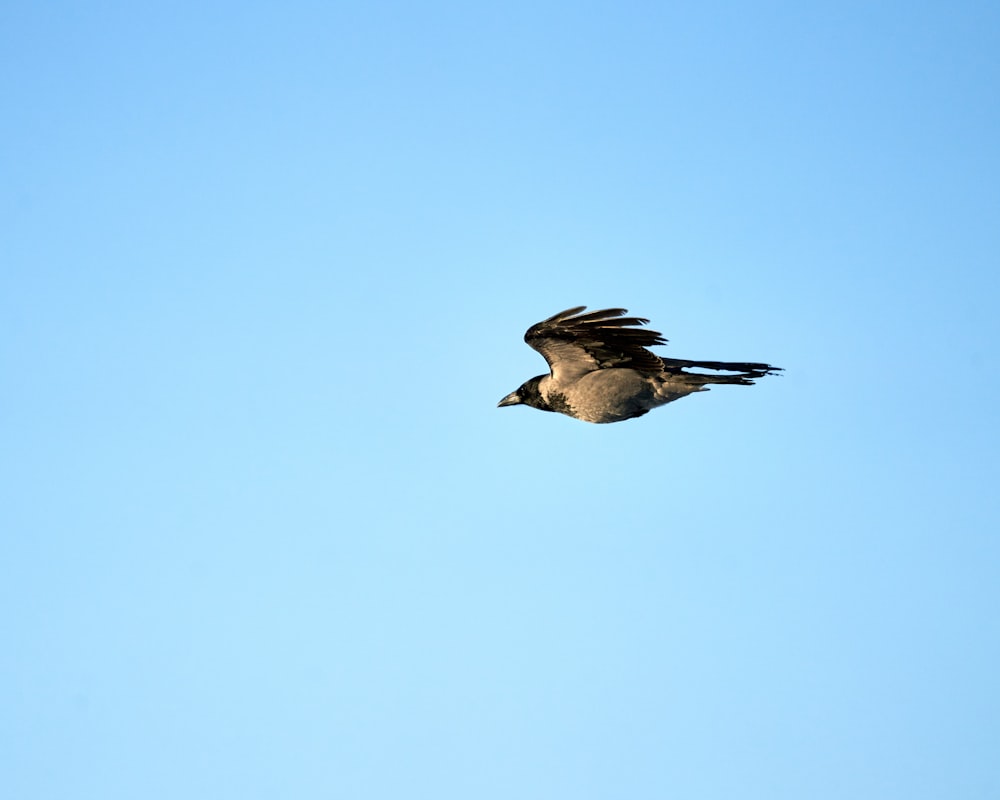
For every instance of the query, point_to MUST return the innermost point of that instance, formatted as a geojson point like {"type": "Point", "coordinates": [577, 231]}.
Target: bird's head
{"type": "Point", "coordinates": [527, 394]}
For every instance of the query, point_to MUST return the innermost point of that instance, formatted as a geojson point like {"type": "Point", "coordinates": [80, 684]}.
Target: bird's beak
{"type": "Point", "coordinates": [510, 400]}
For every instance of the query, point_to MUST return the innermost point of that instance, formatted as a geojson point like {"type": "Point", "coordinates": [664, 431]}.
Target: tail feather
{"type": "Point", "coordinates": [746, 371]}
{"type": "Point", "coordinates": [677, 364]}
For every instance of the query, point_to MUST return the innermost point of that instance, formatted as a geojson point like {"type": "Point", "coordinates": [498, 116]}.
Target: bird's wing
{"type": "Point", "coordinates": [574, 344]}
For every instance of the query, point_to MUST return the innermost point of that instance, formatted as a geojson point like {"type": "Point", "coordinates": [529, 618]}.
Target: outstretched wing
{"type": "Point", "coordinates": [574, 344]}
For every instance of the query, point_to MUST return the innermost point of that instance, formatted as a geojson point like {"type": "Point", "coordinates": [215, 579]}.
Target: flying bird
{"type": "Point", "coordinates": [601, 371]}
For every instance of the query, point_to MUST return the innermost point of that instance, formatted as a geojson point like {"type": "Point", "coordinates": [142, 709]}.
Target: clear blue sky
{"type": "Point", "coordinates": [265, 272]}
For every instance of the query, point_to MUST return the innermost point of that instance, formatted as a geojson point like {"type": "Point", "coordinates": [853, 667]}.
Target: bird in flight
{"type": "Point", "coordinates": [601, 371]}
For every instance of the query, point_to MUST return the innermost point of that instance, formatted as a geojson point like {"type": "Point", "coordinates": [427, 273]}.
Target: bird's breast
{"type": "Point", "coordinates": [608, 395]}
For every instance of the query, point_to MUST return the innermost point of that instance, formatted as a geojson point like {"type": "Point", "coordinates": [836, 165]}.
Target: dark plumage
{"type": "Point", "coordinates": [601, 371]}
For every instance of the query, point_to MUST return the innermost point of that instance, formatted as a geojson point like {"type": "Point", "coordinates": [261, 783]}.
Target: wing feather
{"type": "Point", "coordinates": [574, 344]}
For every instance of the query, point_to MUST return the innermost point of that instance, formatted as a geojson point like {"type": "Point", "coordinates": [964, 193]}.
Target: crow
{"type": "Point", "coordinates": [601, 371]}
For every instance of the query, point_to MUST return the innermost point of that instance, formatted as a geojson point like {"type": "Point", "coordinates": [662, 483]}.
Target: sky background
{"type": "Point", "coordinates": [265, 272]}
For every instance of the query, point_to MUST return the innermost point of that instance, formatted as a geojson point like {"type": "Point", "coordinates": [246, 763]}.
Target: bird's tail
{"type": "Point", "coordinates": [746, 371]}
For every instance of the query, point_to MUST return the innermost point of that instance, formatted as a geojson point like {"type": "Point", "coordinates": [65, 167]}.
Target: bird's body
{"type": "Point", "coordinates": [602, 372]}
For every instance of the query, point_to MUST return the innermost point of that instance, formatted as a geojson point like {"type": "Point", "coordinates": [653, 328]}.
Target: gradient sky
{"type": "Point", "coordinates": [265, 272]}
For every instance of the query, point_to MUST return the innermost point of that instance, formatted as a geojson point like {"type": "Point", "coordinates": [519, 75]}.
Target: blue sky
{"type": "Point", "coordinates": [266, 269]}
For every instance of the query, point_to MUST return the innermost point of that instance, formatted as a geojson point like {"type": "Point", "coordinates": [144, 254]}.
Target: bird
{"type": "Point", "coordinates": [601, 371]}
